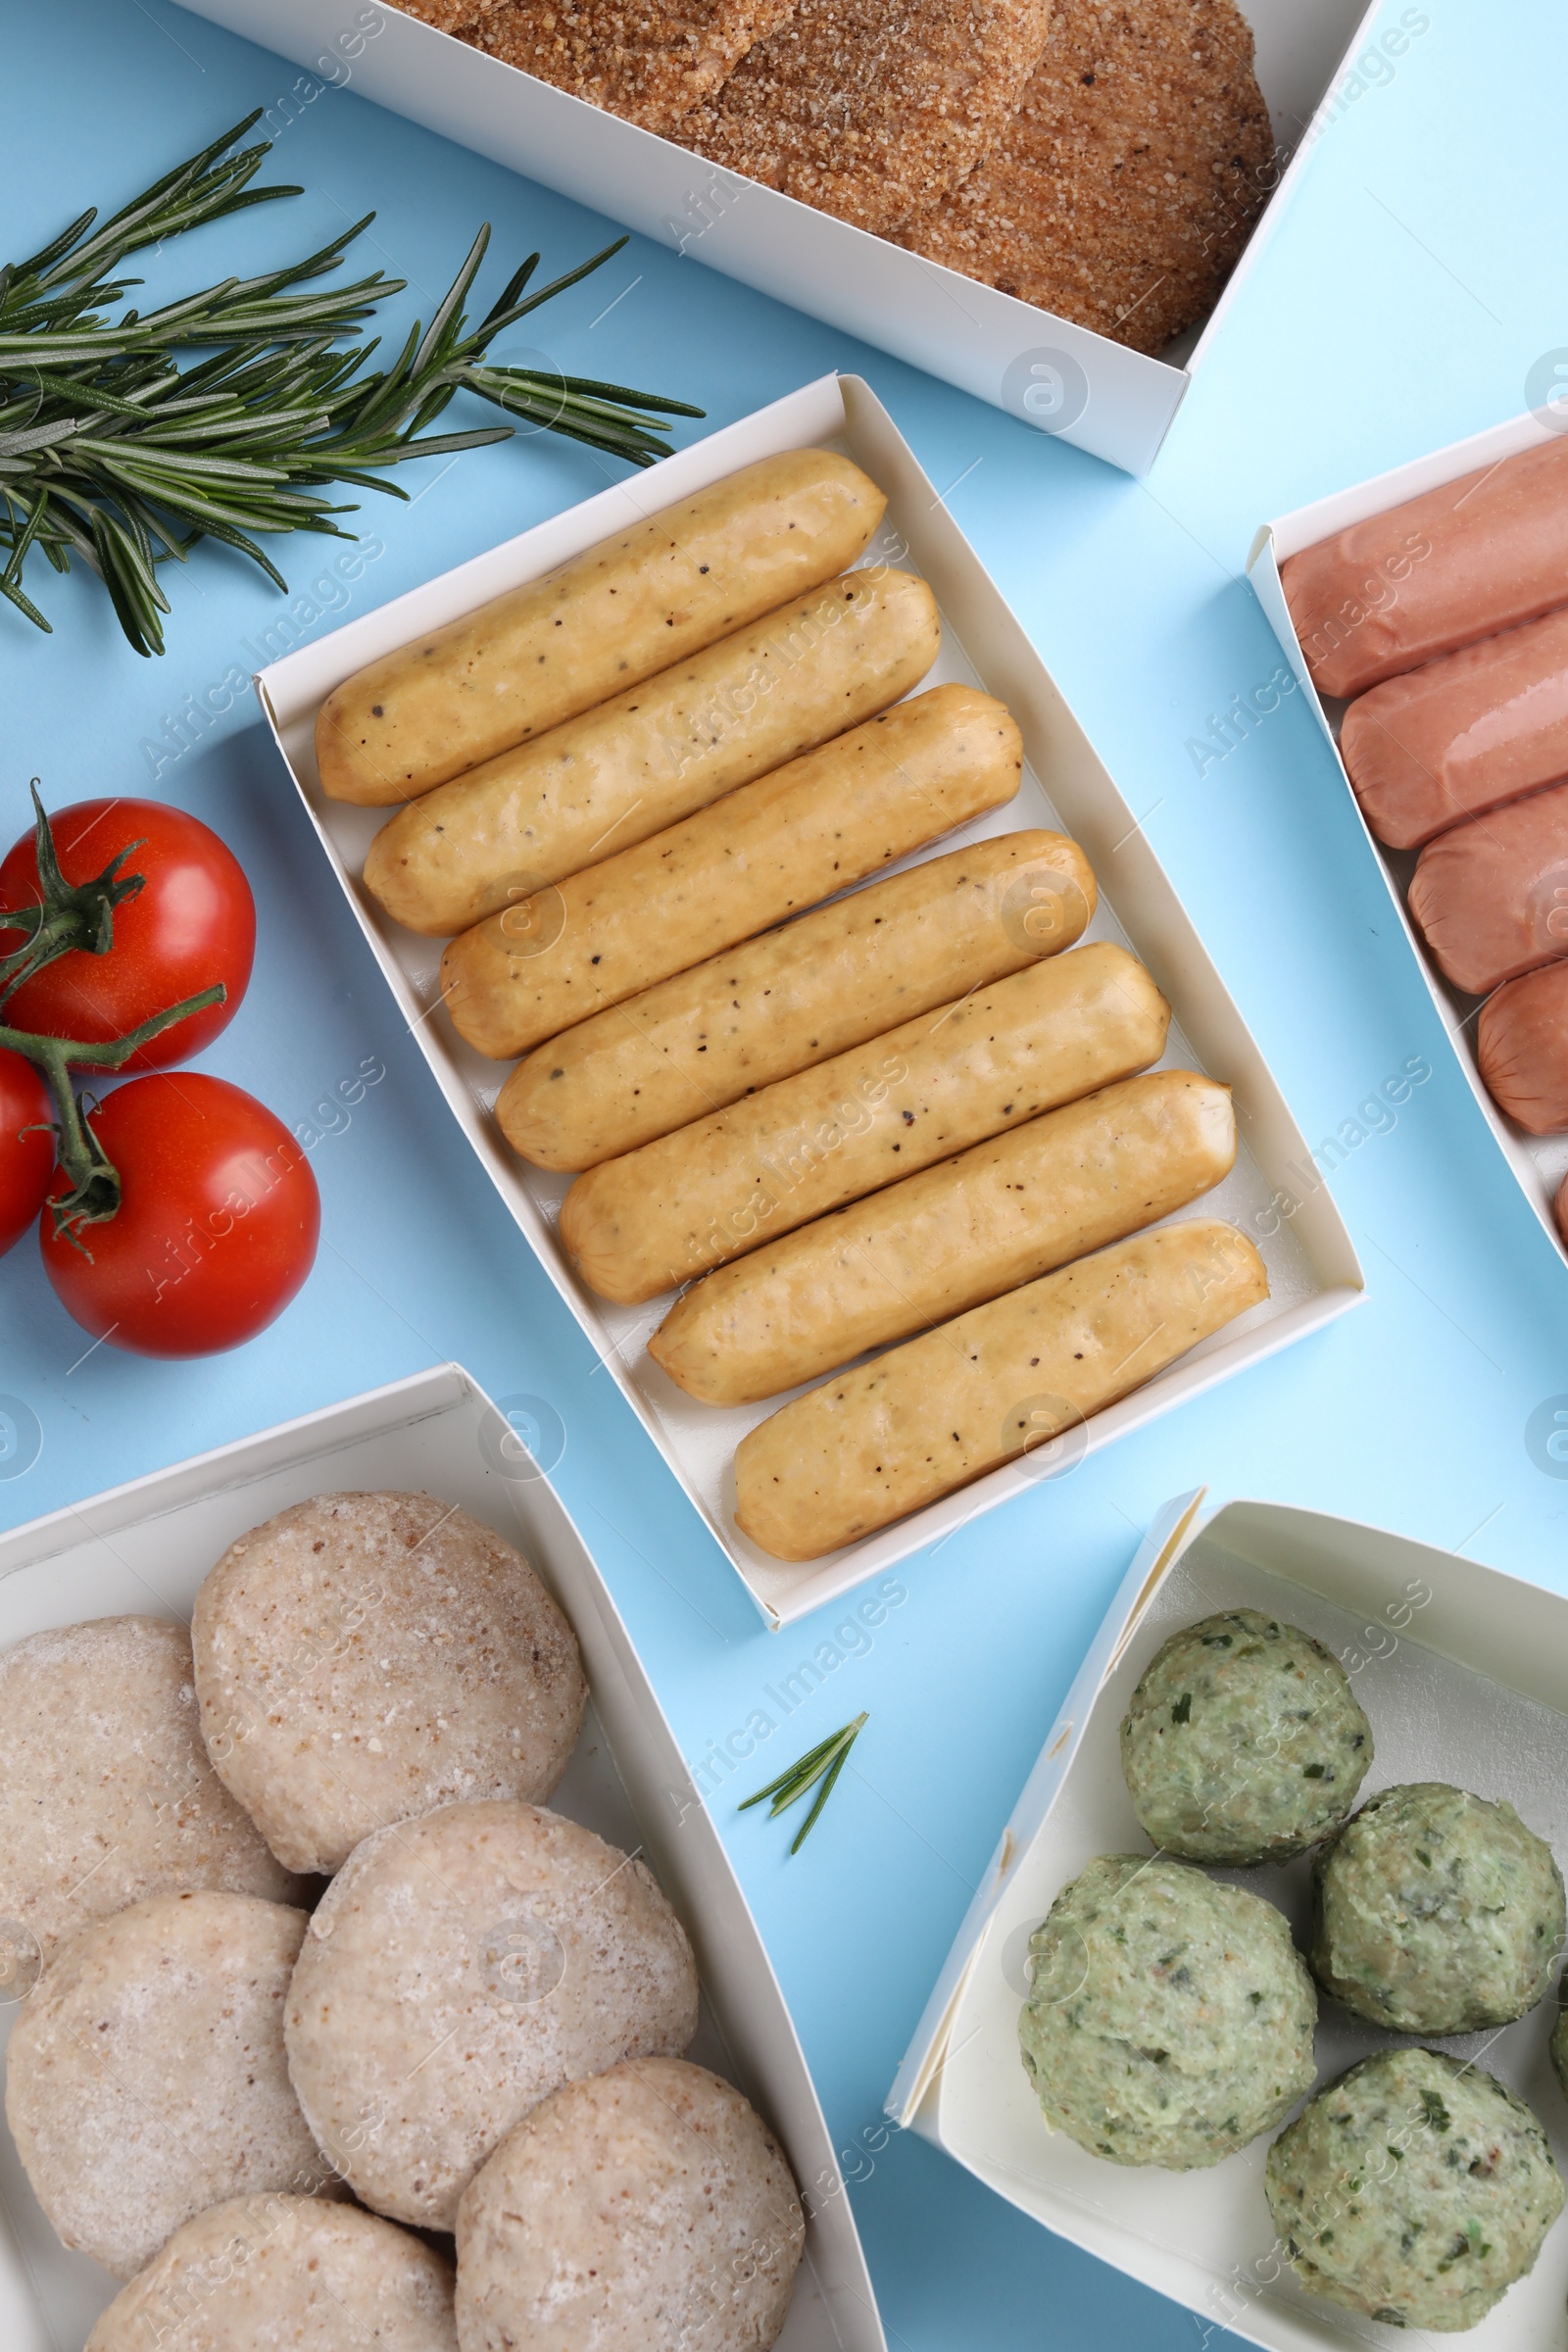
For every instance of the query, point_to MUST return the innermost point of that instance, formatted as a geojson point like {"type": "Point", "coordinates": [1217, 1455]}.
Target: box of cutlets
{"type": "Point", "coordinates": [1425, 613]}
{"type": "Point", "coordinates": [984, 1140]}
{"type": "Point", "coordinates": [1048, 206]}
{"type": "Point", "coordinates": [112, 1800]}
{"type": "Point", "coordinates": [1258, 1998]}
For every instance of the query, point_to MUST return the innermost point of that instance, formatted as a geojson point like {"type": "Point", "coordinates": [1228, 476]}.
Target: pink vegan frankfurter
{"type": "Point", "coordinates": [1522, 1046]}
{"type": "Point", "coordinates": [1458, 562]}
{"type": "Point", "coordinates": [1461, 734]}
{"type": "Point", "coordinates": [1492, 897]}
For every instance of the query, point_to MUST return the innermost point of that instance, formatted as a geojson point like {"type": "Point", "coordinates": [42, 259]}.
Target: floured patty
{"type": "Point", "coordinates": [874, 108]}
{"type": "Point", "coordinates": [651, 64]}
{"type": "Point", "coordinates": [262, 2273]}
{"type": "Point", "coordinates": [459, 1970]}
{"type": "Point", "coordinates": [363, 1658]}
{"type": "Point", "coordinates": [644, 2208]}
{"type": "Point", "coordinates": [1124, 187]}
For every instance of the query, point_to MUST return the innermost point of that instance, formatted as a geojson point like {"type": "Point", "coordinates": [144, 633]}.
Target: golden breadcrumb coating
{"type": "Point", "coordinates": [1126, 184]}
{"type": "Point", "coordinates": [874, 108]}
{"type": "Point", "coordinates": [651, 64]}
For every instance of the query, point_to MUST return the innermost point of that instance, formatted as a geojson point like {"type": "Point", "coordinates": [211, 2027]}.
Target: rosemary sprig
{"type": "Point", "coordinates": [822, 1763]}
{"type": "Point", "coordinates": [112, 452]}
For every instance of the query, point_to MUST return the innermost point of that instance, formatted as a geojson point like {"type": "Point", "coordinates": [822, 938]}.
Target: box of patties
{"type": "Point", "coordinates": [1048, 206]}
{"type": "Point", "coordinates": [378, 1615]}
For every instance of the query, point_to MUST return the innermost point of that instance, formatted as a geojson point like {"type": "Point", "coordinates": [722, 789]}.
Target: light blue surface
{"type": "Point", "coordinates": [1417, 275]}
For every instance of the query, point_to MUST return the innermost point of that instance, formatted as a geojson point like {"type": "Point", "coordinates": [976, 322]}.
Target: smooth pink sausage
{"type": "Point", "coordinates": [1479, 554]}
{"type": "Point", "coordinates": [1522, 1046]}
{"type": "Point", "coordinates": [1492, 897]}
{"type": "Point", "coordinates": [1461, 734]}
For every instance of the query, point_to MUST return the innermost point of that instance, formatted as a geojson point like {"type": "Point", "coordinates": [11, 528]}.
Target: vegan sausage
{"type": "Point", "coordinates": [1461, 734]}
{"type": "Point", "coordinates": [910, 1258]}
{"type": "Point", "coordinates": [876, 1444]}
{"type": "Point", "coordinates": [759, 854]}
{"type": "Point", "coordinates": [651, 592]}
{"type": "Point", "coordinates": [794, 997]}
{"type": "Point", "coordinates": [1458, 562]}
{"type": "Point", "coordinates": [634, 764]}
{"type": "Point", "coordinates": [636, 1226]}
{"type": "Point", "coordinates": [1491, 895]}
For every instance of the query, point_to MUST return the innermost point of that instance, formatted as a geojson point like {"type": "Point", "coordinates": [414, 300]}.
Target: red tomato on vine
{"type": "Point", "coordinates": [191, 925]}
{"type": "Point", "coordinates": [216, 1226]}
{"type": "Point", "coordinates": [26, 1146]}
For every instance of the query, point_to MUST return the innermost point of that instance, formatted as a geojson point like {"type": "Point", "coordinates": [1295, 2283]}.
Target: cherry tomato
{"type": "Point", "coordinates": [216, 1226]}
{"type": "Point", "coordinates": [191, 925]}
{"type": "Point", "coordinates": [27, 1160]}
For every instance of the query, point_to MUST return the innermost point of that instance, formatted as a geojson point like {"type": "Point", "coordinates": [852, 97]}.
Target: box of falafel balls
{"type": "Point", "coordinates": [357, 1919]}
{"type": "Point", "coordinates": [1048, 205]}
{"type": "Point", "coordinates": [1258, 1999]}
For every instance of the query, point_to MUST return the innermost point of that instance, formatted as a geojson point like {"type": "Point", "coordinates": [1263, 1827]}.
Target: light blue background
{"type": "Point", "coordinates": [1417, 274]}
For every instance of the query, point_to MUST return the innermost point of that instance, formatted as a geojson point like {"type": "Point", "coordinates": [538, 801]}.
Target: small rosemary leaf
{"type": "Point", "coordinates": [25, 604]}
{"type": "Point", "coordinates": [822, 1795]}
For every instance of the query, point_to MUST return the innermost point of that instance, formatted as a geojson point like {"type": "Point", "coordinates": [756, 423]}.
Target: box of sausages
{"type": "Point", "coordinates": [1048, 208]}
{"type": "Point", "coordinates": [809, 991]}
{"type": "Point", "coordinates": [1258, 1999]}
{"type": "Point", "coordinates": [1425, 613]}
{"type": "Point", "coordinates": [137, 1557]}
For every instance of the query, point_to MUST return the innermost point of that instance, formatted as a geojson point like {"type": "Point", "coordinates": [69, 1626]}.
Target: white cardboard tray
{"type": "Point", "coordinates": [145, 1548]}
{"type": "Point", "coordinates": [1539, 1163]}
{"type": "Point", "coordinates": [1062, 378]}
{"type": "Point", "coordinates": [1313, 1264]}
{"type": "Point", "coordinates": [1463, 1674]}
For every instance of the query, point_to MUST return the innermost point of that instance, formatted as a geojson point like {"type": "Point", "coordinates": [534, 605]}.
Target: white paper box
{"type": "Point", "coordinates": [1539, 1161]}
{"type": "Point", "coordinates": [144, 1548]}
{"type": "Point", "coordinates": [1463, 1674]}
{"type": "Point", "coordinates": [1115, 403]}
{"type": "Point", "coordinates": [1313, 1270]}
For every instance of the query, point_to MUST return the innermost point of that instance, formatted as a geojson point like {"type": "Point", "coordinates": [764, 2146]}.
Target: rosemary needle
{"type": "Point", "coordinates": [112, 453]}
{"type": "Point", "coordinates": [823, 1763]}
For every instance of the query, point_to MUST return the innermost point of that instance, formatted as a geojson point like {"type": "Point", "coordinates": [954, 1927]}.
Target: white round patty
{"type": "Point", "coordinates": [146, 2078]}
{"type": "Point", "coordinates": [1170, 2018]}
{"type": "Point", "coordinates": [363, 1658]}
{"type": "Point", "coordinates": [1437, 1912]}
{"type": "Point", "coordinates": [1414, 2190]}
{"type": "Point", "coordinates": [286, 2273]}
{"type": "Point", "coordinates": [105, 1791]}
{"type": "Point", "coordinates": [462, 1967]}
{"type": "Point", "coordinates": [649, 2207]}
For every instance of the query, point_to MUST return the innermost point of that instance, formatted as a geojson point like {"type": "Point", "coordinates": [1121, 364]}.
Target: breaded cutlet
{"type": "Point", "coordinates": [651, 61]}
{"type": "Point", "coordinates": [873, 109]}
{"type": "Point", "coordinates": [1125, 186]}
{"type": "Point", "coordinates": [447, 15]}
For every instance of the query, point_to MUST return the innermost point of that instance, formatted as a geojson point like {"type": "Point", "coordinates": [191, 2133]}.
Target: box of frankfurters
{"type": "Point", "coordinates": [1050, 208]}
{"type": "Point", "coordinates": [809, 991]}
{"type": "Point", "coordinates": [1425, 613]}
{"type": "Point", "coordinates": [108, 1610]}
{"type": "Point", "coordinates": [1258, 1998]}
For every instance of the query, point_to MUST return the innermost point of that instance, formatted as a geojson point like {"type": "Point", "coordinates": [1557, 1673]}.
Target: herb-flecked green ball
{"type": "Point", "coordinates": [1437, 1912]}
{"type": "Point", "coordinates": [1414, 2190]}
{"type": "Point", "coordinates": [1170, 2019]}
{"type": "Point", "coordinates": [1244, 1742]}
